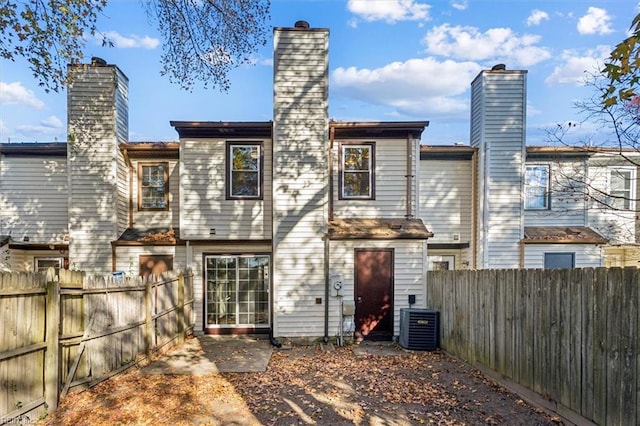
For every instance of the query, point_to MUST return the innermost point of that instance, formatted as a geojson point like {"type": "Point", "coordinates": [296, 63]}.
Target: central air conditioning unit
{"type": "Point", "coordinates": [419, 329]}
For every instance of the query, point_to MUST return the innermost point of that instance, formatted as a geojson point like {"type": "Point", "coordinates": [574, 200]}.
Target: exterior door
{"type": "Point", "coordinates": [237, 292]}
{"type": "Point", "coordinates": [374, 294]}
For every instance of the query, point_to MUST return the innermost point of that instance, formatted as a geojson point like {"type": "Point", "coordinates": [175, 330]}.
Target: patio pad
{"type": "Point", "coordinates": [214, 354]}
{"type": "Point", "coordinates": [379, 348]}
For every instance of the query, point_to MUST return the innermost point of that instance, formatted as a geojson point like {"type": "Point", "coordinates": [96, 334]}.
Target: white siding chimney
{"type": "Point", "coordinates": [97, 121]}
{"type": "Point", "coordinates": [498, 123]}
{"type": "Point", "coordinates": [300, 178]}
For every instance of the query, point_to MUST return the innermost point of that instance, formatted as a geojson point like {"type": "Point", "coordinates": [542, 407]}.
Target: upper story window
{"type": "Point", "coordinates": [536, 187]}
{"type": "Point", "coordinates": [244, 170]}
{"type": "Point", "coordinates": [153, 186]}
{"type": "Point", "coordinates": [357, 171]}
{"type": "Point", "coordinates": [622, 188]}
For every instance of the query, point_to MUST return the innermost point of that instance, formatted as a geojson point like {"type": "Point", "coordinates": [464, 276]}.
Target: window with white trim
{"type": "Point", "coordinates": [244, 170]}
{"type": "Point", "coordinates": [42, 264]}
{"type": "Point", "coordinates": [622, 186]}
{"type": "Point", "coordinates": [536, 187]}
{"type": "Point", "coordinates": [357, 171]}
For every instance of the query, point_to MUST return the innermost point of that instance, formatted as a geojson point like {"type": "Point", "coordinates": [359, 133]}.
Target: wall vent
{"type": "Point", "coordinates": [419, 329]}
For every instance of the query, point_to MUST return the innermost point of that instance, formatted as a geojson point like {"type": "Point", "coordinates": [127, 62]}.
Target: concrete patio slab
{"type": "Point", "coordinates": [214, 354]}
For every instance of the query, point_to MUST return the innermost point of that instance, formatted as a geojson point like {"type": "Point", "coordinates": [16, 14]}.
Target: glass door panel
{"type": "Point", "coordinates": [237, 290]}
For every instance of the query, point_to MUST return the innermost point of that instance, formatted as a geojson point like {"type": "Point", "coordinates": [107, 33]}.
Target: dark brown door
{"type": "Point", "coordinates": [374, 294]}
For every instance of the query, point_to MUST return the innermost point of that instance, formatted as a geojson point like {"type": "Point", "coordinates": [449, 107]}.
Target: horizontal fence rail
{"type": "Point", "coordinates": [570, 335]}
{"type": "Point", "coordinates": [72, 333]}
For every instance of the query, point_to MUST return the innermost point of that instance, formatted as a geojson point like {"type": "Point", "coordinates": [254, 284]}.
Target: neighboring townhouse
{"type": "Point", "coordinates": [501, 204]}
{"type": "Point", "coordinates": [285, 223]}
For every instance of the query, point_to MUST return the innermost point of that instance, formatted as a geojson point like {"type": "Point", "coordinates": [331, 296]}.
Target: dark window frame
{"type": "Point", "coordinates": [372, 170]}
{"type": "Point", "coordinates": [229, 170]}
{"type": "Point", "coordinates": [549, 254]}
{"type": "Point", "coordinates": [141, 166]}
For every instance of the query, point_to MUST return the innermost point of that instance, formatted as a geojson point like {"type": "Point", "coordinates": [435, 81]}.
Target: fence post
{"type": "Point", "coordinates": [148, 329]}
{"type": "Point", "coordinates": [181, 308]}
{"type": "Point", "coordinates": [52, 354]}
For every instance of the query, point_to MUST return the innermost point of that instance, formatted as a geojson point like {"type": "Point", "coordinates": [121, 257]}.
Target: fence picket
{"type": "Point", "coordinates": [32, 372]}
{"type": "Point", "coordinates": [570, 335]}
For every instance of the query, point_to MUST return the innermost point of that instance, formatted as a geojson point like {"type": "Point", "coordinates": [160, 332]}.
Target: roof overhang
{"type": "Point", "coordinates": [223, 129]}
{"type": "Point", "coordinates": [144, 150]}
{"type": "Point", "coordinates": [562, 235]}
{"type": "Point", "coordinates": [378, 229]}
{"type": "Point", "coordinates": [51, 149]}
{"type": "Point", "coordinates": [378, 130]}
{"type": "Point", "coordinates": [447, 152]}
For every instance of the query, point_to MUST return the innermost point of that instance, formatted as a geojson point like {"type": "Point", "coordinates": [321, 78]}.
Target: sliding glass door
{"type": "Point", "coordinates": [237, 291]}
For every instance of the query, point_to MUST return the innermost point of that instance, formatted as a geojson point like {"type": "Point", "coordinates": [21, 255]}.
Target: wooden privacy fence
{"type": "Point", "coordinates": [59, 336]}
{"type": "Point", "coordinates": [570, 335]}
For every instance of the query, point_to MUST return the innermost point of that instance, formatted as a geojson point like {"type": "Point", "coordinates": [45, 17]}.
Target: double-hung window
{"type": "Point", "coordinates": [244, 170]}
{"type": "Point", "coordinates": [357, 171]}
{"type": "Point", "coordinates": [153, 186]}
{"type": "Point", "coordinates": [622, 188]}
{"type": "Point", "coordinates": [536, 187]}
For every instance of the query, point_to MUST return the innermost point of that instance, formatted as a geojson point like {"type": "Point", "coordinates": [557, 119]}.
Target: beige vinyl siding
{"type": "Point", "coordinates": [33, 198]}
{"type": "Point", "coordinates": [163, 218]}
{"type": "Point", "coordinates": [203, 203]}
{"type": "Point", "coordinates": [567, 202]}
{"type": "Point", "coordinates": [617, 225]}
{"type": "Point", "coordinates": [123, 194]}
{"type": "Point", "coordinates": [300, 180]}
{"type": "Point", "coordinates": [501, 143]}
{"type": "Point", "coordinates": [409, 275]}
{"type": "Point", "coordinates": [194, 260]}
{"type": "Point", "coordinates": [390, 181]}
{"type": "Point", "coordinates": [446, 198]}
{"type": "Point", "coordinates": [128, 258]}
{"type": "Point", "coordinates": [461, 257]}
{"type": "Point", "coordinates": [586, 255]}
{"type": "Point", "coordinates": [94, 127]}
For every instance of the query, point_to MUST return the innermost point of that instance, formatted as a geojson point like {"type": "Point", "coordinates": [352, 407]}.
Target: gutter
{"type": "Point", "coordinates": [327, 249]}
{"type": "Point", "coordinates": [409, 177]}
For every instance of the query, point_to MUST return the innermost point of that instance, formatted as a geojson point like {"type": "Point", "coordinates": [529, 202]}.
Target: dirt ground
{"type": "Point", "coordinates": [307, 385]}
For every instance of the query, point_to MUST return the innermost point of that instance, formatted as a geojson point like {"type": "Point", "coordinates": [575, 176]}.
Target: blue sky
{"type": "Point", "coordinates": [389, 60]}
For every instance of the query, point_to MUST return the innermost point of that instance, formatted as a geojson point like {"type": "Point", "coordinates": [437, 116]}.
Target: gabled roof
{"type": "Point", "coordinates": [562, 235]}
{"type": "Point", "coordinates": [378, 229]}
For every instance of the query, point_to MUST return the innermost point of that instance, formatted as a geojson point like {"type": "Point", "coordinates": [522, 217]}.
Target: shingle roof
{"type": "Point", "coordinates": [378, 229]}
{"type": "Point", "coordinates": [150, 236]}
{"type": "Point", "coordinates": [562, 235]}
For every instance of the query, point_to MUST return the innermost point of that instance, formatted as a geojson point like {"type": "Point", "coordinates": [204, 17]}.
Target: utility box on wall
{"type": "Point", "coordinates": [419, 329]}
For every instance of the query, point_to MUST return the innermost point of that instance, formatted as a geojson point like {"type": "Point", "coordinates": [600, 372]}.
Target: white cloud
{"type": "Point", "coordinates": [576, 67]}
{"type": "Point", "coordinates": [596, 21]}
{"type": "Point", "coordinates": [536, 17]}
{"type": "Point", "coordinates": [132, 41]}
{"type": "Point", "coordinates": [390, 11]}
{"type": "Point", "coordinates": [51, 125]}
{"type": "Point", "coordinates": [406, 86]}
{"type": "Point", "coordinates": [460, 4]}
{"type": "Point", "coordinates": [16, 94]}
{"type": "Point", "coordinates": [468, 43]}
